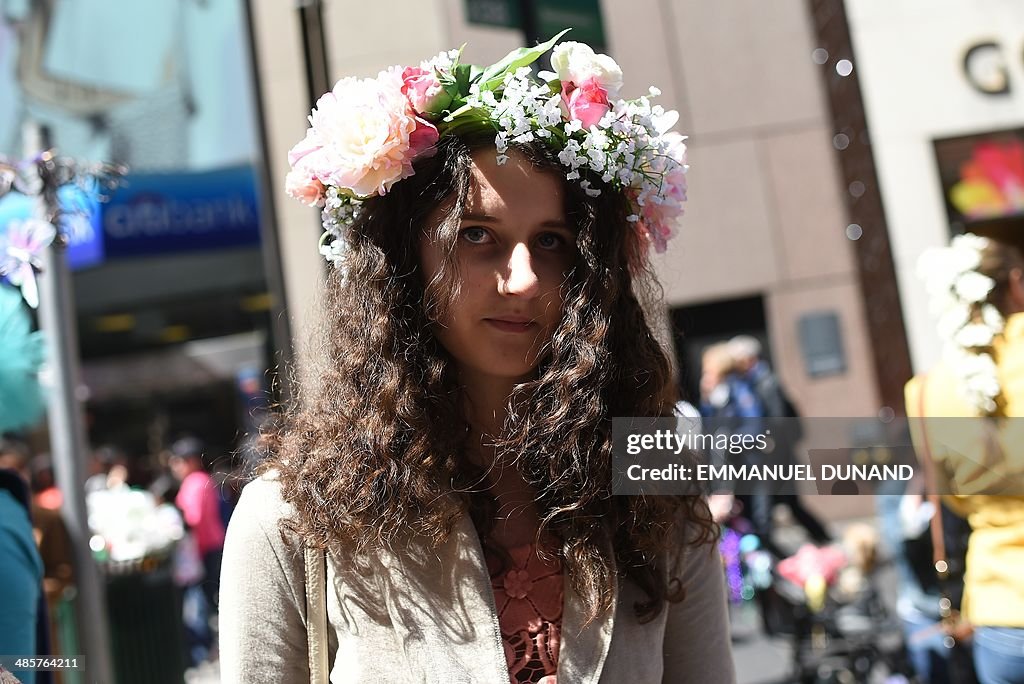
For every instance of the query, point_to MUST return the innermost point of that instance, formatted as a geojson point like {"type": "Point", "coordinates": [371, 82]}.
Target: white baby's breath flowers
{"type": "Point", "coordinates": [442, 62]}
{"type": "Point", "coordinates": [340, 211]}
{"type": "Point", "coordinates": [968, 323]}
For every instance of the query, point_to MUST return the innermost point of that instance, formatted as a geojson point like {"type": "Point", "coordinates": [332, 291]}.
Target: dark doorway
{"type": "Point", "coordinates": [697, 326]}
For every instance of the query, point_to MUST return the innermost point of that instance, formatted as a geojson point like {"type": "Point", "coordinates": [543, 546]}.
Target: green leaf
{"type": "Point", "coordinates": [493, 75]}
{"type": "Point", "coordinates": [470, 125]}
{"type": "Point", "coordinates": [452, 88]}
{"type": "Point", "coordinates": [462, 77]}
{"type": "Point", "coordinates": [464, 109]}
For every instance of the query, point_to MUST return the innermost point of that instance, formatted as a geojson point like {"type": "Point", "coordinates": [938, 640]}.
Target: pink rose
{"type": "Point", "coordinates": [423, 138]}
{"type": "Point", "coordinates": [586, 102]}
{"type": "Point", "coordinates": [578, 63]}
{"type": "Point", "coordinates": [304, 188]}
{"type": "Point", "coordinates": [424, 91]}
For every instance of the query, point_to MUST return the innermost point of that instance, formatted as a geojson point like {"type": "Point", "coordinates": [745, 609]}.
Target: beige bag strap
{"type": "Point", "coordinates": [316, 614]}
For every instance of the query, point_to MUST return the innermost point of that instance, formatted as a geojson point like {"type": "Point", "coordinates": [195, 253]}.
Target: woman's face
{"type": "Point", "coordinates": [713, 372]}
{"type": "Point", "coordinates": [513, 250]}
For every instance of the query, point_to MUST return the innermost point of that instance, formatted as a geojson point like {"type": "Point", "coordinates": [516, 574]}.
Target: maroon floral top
{"type": "Point", "coordinates": [528, 595]}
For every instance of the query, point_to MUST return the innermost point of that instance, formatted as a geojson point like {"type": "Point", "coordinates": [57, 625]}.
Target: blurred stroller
{"type": "Point", "coordinates": [826, 600]}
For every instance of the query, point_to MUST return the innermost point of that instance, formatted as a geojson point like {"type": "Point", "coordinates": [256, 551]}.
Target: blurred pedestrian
{"type": "Point", "coordinates": [109, 468]}
{"type": "Point", "coordinates": [51, 537]}
{"type": "Point", "coordinates": [453, 456]}
{"type": "Point", "coordinates": [775, 403]}
{"type": "Point", "coordinates": [21, 574]}
{"type": "Point", "coordinates": [978, 464]}
{"type": "Point", "coordinates": [905, 528]}
{"type": "Point", "coordinates": [199, 503]}
{"type": "Point", "coordinates": [729, 404]}
{"type": "Point", "coordinates": [187, 571]}
{"type": "Point", "coordinates": [54, 546]}
{"type": "Point", "coordinates": [45, 491]}
{"type": "Point", "coordinates": [724, 394]}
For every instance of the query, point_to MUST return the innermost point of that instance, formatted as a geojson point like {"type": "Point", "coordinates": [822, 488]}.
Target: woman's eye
{"type": "Point", "coordinates": [476, 235]}
{"type": "Point", "coordinates": [550, 241]}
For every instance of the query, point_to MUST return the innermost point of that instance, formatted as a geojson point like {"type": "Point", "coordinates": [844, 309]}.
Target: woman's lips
{"type": "Point", "coordinates": [511, 326]}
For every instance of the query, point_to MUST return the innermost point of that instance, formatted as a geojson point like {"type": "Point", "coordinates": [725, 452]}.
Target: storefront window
{"type": "Point", "coordinates": [174, 258]}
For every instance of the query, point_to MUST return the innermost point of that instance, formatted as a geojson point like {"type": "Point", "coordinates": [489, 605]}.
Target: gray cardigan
{"type": "Point", "coordinates": [431, 618]}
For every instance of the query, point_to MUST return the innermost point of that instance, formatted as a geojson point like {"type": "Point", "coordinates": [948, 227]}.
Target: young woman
{"type": "Point", "coordinates": [454, 457]}
{"type": "Point", "coordinates": [978, 282]}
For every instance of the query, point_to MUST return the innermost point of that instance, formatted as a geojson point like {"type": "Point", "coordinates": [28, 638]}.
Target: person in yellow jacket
{"type": "Point", "coordinates": [970, 408]}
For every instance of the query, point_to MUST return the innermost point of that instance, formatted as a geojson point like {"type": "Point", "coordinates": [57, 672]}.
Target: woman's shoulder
{"type": "Point", "coordinates": [691, 540]}
{"type": "Point", "coordinates": [260, 510]}
{"type": "Point", "coordinates": [263, 494]}
{"type": "Point", "coordinates": [937, 392]}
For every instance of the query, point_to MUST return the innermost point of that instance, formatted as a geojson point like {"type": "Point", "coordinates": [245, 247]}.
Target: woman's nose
{"type": "Point", "coordinates": [520, 278]}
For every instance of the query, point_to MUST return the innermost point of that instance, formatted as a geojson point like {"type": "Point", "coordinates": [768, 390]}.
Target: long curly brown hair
{"type": "Point", "coordinates": [374, 452]}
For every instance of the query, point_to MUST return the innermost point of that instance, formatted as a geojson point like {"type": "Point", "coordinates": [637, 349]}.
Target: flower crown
{"type": "Point", "coordinates": [968, 322]}
{"type": "Point", "coordinates": [365, 134]}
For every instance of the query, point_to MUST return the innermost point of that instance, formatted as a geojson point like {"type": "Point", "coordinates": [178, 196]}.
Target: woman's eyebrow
{"type": "Point", "coordinates": [472, 216]}
{"type": "Point", "coordinates": [553, 223]}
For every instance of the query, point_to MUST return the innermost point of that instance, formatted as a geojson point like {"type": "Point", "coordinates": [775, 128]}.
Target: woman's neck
{"type": "Point", "coordinates": [485, 408]}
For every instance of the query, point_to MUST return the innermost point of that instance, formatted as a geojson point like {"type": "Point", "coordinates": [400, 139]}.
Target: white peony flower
{"type": "Point", "coordinates": [363, 136]}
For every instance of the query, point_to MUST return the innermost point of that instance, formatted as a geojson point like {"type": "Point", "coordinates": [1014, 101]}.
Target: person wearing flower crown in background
{"type": "Point", "coordinates": [490, 230]}
{"type": "Point", "coordinates": [977, 286]}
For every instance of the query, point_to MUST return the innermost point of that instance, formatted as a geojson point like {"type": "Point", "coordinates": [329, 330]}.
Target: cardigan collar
{"type": "Point", "coordinates": [442, 609]}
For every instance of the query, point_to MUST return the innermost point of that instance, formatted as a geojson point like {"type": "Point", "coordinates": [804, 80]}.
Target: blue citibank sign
{"type": "Point", "coordinates": [152, 214]}
{"type": "Point", "coordinates": [181, 212]}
